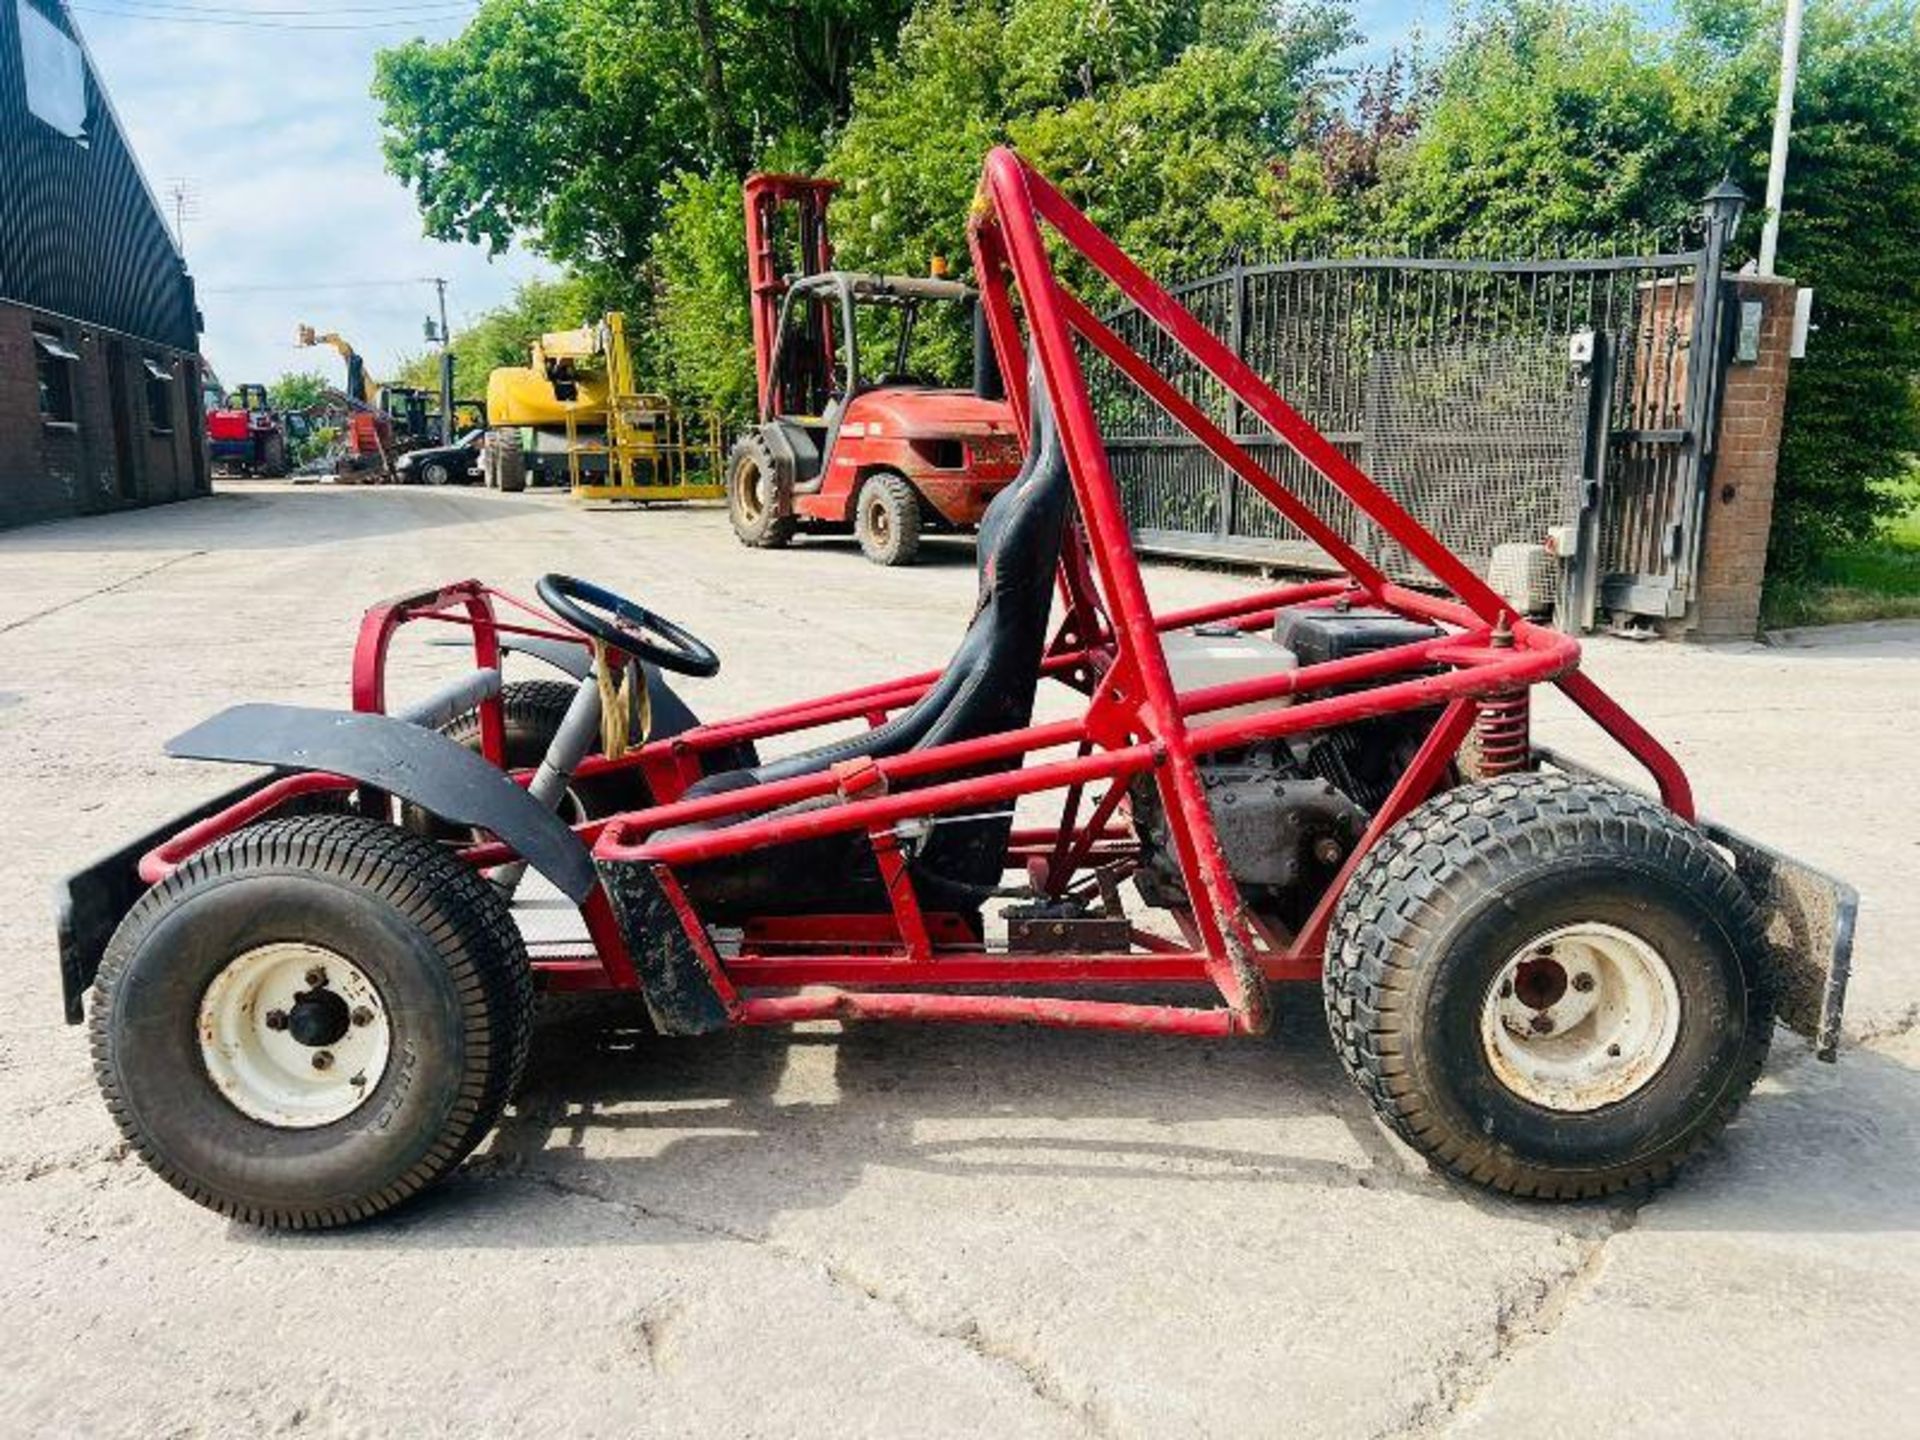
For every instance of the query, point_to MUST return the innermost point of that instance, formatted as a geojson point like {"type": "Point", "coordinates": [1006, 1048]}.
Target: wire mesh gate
{"type": "Point", "coordinates": [1499, 400]}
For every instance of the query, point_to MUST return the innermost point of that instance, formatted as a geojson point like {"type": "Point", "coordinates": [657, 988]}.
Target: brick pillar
{"type": "Point", "coordinates": [1739, 513]}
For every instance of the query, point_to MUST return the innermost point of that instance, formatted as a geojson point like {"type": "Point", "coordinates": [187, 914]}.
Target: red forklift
{"type": "Point", "coordinates": [841, 445]}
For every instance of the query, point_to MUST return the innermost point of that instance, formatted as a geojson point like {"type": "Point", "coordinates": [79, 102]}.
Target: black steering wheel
{"type": "Point", "coordinates": [626, 626]}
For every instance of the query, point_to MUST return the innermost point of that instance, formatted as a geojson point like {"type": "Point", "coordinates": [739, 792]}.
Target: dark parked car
{"type": "Point", "coordinates": [455, 464]}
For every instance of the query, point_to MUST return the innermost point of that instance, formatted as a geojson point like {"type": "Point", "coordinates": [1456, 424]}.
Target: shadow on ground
{"type": "Point", "coordinates": [773, 1122]}
{"type": "Point", "coordinates": [237, 519]}
{"type": "Point", "coordinates": [781, 1122]}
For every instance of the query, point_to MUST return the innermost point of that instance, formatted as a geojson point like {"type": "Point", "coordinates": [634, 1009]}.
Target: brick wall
{"type": "Point", "coordinates": [1739, 511]}
{"type": "Point", "coordinates": [47, 471]}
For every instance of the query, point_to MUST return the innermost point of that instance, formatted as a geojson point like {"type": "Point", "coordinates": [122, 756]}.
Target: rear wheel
{"type": "Point", "coordinates": [887, 519]}
{"type": "Point", "coordinates": [312, 1020]}
{"type": "Point", "coordinates": [1553, 988]}
{"type": "Point", "coordinates": [751, 506]}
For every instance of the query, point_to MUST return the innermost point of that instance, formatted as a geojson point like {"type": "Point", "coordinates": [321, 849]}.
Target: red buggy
{"type": "Point", "coordinates": [312, 997]}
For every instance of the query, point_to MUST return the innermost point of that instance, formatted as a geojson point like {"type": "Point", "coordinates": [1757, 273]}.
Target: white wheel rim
{"type": "Point", "coordinates": [1581, 1017]}
{"type": "Point", "coordinates": [294, 1035]}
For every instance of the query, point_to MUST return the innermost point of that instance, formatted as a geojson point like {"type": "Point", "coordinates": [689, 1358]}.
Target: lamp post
{"type": "Point", "coordinates": [1782, 133]}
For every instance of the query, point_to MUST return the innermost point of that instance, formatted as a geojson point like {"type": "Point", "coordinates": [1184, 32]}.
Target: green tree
{"type": "Point", "coordinates": [1849, 228]}
{"type": "Point", "coordinates": [1550, 118]}
{"type": "Point", "coordinates": [567, 121]}
{"type": "Point", "coordinates": [1164, 120]}
{"type": "Point", "coordinates": [703, 330]}
{"type": "Point", "coordinates": [500, 336]}
{"type": "Point", "coordinates": [299, 390]}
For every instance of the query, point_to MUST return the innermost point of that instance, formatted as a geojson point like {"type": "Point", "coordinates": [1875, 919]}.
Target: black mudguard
{"type": "Point", "coordinates": [90, 904]}
{"type": "Point", "coordinates": [424, 766]}
{"type": "Point", "coordinates": [391, 754]}
{"type": "Point", "coordinates": [679, 993]}
{"type": "Point", "coordinates": [1809, 918]}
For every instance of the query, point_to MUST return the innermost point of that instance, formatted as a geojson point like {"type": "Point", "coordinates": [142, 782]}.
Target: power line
{"type": "Point", "coordinates": [304, 285]}
{"type": "Point", "coordinates": [317, 12]}
{"type": "Point", "coordinates": [160, 19]}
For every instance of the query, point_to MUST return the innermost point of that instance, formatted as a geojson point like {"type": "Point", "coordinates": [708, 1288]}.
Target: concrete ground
{"type": "Point", "coordinates": [897, 1231]}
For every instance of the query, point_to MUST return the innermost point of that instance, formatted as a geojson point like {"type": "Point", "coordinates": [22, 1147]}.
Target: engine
{"type": "Point", "coordinates": [1288, 811]}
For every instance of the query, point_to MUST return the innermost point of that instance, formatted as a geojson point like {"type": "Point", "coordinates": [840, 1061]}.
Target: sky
{"type": "Point", "coordinates": [261, 106]}
{"type": "Point", "coordinates": [270, 122]}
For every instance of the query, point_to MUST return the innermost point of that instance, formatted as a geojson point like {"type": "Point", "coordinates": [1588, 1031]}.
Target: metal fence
{"type": "Point", "coordinates": [1495, 398]}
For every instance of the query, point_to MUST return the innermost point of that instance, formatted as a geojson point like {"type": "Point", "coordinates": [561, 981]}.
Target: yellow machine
{"type": "Point", "coordinates": [359, 384]}
{"type": "Point", "coordinates": [575, 410]}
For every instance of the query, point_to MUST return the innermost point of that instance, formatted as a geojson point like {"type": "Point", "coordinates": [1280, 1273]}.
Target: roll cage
{"type": "Point", "coordinates": [912, 961]}
{"type": "Point", "coordinates": [842, 293]}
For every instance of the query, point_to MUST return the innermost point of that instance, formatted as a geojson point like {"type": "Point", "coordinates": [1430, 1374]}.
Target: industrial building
{"type": "Point", "coordinates": [100, 403]}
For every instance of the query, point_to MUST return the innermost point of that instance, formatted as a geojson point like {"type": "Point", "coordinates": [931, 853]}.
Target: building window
{"type": "Point", "coordinates": [159, 397]}
{"type": "Point", "coordinates": [55, 71]}
{"type": "Point", "coordinates": [55, 371]}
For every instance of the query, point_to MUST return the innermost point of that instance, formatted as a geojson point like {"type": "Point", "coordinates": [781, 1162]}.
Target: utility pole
{"type": "Point", "coordinates": [446, 365]}
{"type": "Point", "coordinates": [1782, 133]}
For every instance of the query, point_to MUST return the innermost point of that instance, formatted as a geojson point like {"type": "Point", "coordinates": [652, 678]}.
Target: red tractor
{"type": "Point", "coordinates": [245, 436]}
{"type": "Point", "coordinates": [840, 446]}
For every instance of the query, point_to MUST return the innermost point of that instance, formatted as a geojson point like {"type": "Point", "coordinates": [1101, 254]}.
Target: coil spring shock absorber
{"type": "Point", "coordinates": [1503, 740]}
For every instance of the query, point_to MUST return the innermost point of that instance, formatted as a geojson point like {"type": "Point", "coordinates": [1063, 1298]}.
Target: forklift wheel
{"type": "Point", "coordinates": [312, 1020]}
{"type": "Point", "coordinates": [1550, 987]}
{"type": "Point", "coordinates": [887, 519]}
{"type": "Point", "coordinates": [750, 499]}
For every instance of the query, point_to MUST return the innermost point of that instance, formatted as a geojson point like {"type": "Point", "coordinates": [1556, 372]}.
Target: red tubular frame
{"type": "Point", "coordinates": [905, 963]}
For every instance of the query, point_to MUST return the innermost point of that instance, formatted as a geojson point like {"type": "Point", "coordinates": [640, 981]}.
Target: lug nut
{"type": "Point", "coordinates": [1542, 1023]}
{"type": "Point", "coordinates": [1583, 982]}
{"type": "Point", "coordinates": [323, 1059]}
{"type": "Point", "coordinates": [276, 1019]}
{"type": "Point", "coordinates": [362, 1015]}
{"type": "Point", "coordinates": [316, 977]}
{"type": "Point", "coordinates": [1613, 1052]}
{"type": "Point", "coordinates": [1327, 850]}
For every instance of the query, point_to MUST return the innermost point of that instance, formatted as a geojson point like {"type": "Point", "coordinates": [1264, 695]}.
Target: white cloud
{"type": "Point", "coordinates": [280, 139]}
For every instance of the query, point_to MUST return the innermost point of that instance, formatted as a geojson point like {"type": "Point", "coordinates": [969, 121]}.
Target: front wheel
{"type": "Point", "coordinates": [312, 1020]}
{"type": "Point", "coordinates": [887, 519]}
{"type": "Point", "coordinates": [752, 506]}
{"type": "Point", "coordinates": [436, 472]}
{"type": "Point", "coordinates": [1553, 988]}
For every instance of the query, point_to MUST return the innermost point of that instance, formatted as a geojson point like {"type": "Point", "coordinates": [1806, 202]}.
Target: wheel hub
{"type": "Point", "coordinates": [1581, 1017]}
{"type": "Point", "coordinates": [318, 1018]}
{"type": "Point", "coordinates": [294, 1035]}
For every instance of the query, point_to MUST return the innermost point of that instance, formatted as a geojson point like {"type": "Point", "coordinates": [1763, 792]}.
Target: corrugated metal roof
{"type": "Point", "coordinates": [80, 232]}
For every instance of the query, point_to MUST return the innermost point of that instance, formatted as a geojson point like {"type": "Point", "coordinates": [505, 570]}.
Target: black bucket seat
{"type": "Point", "coordinates": [987, 688]}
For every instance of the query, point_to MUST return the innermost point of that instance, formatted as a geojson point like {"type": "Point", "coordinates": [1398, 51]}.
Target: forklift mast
{"type": "Point", "coordinates": [787, 238]}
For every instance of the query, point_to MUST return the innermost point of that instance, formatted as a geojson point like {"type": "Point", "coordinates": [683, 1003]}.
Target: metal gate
{"type": "Point", "coordinates": [1497, 399]}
